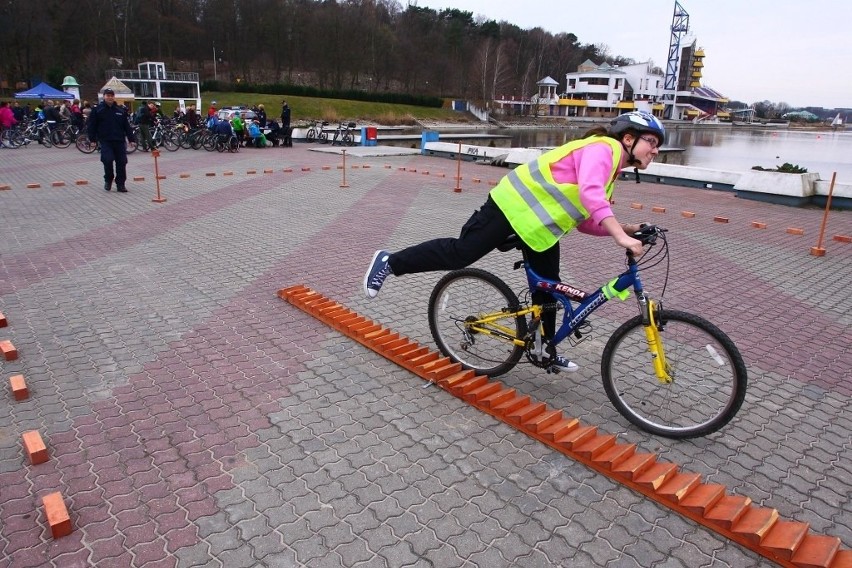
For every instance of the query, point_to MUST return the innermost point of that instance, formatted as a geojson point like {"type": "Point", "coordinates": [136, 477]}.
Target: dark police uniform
{"type": "Point", "coordinates": [109, 125]}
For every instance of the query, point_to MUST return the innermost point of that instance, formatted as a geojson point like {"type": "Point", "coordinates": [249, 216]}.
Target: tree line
{"type": "Point", "coordinates": [377, 46]}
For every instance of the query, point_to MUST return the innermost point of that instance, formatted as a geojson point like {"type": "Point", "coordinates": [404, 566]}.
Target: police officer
{"type": "Point", "coordinates": [109, 124]}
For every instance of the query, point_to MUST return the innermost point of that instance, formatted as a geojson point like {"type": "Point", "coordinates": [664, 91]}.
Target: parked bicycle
{"type": "Point", "coordinates": [229, 143]}
{"type": "Point", "coordinates": [87, 146]}
{"type": "Point", "coordinates": [195, 139]}
{"type": "Point", "coordinates": [316, 132]}
{"type": "Point", "coordinates": [345, 133]}
{"type": "Point", "coordinates": [669, 372]}
{"type": "Point", "coordinates": [34, 131]}
{"type": "Point", "coordinates": [13, 137]}
{"type": "Point", "coordinates": [64, 134]}
{"type": "Point", "coordinates": [163, 135]}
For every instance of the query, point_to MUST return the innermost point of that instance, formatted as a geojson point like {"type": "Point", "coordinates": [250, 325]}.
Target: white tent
{"type": "Point", "coordinates": [122, 91]}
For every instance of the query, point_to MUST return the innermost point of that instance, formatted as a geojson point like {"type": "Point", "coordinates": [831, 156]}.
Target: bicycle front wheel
{"type": "Point", "coordinates": [170, 141]}
{"type": "Point", "coordinates": [12, 138]}
{"type": "Point", "coordinates": [708, 376]}
{"type": "Point", "coordinates": [464, 296]}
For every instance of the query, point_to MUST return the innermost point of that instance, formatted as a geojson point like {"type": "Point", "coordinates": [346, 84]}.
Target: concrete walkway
{"type": "Point", "coordinates": [192, 418]}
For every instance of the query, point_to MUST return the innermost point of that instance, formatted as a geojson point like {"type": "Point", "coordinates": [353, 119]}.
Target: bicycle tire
{"type": "Point", "coordinates": [84, 144]}
{"type": "Point", "coordinates": [195, 141]}
{"type": "Point", "coordinates": [348, 139]}
{"type": "Point", "coordinates": [170, 141]}
{"type": "Point", "coordinates": [46, 135]}
{"type": "Point", "coordinates": [464, 294]}
{"type": "Point", "coordinates": [184, 141]}
{"type": "Point", "coordinates": [208, 142]}
{"type": "Point", "coordinates": [322, 137]}
{"type": "Point", "coordinates": [132, 147]}
{"type": "Point", "coordinates": [311, 135]}
{"type": "Point", "coordinates": [709, 376]}
{"type": "Point", "coordinates": [12, 138]}
{"type": "Point", "coordinates": [61, 137]}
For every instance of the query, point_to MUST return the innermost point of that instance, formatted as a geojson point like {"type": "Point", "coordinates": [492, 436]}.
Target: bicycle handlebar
{"type": "Point", "coordinates": [648, 234]}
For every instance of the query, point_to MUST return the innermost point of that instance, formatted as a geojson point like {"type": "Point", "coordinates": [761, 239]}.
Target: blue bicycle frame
{"type": "Point", "coordinates": [588, 303]}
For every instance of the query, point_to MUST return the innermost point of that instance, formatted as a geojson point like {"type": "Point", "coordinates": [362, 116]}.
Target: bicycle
{"type": "Point", "coordinates": [12, 137]}
{"type": "Point", "coordinates": [316, 132]}
{"type": "Point", "coordinates": [87, 146]}
{"type": "Point", "coordinates": [64, 134]}
{"type": "Point", "coordinates": [162, 135]}
{"type": "Point", "coordinates": [668, 372]}
{"type": "Point", "coordinates": [346, 133]}
{"type": "Point", "coordinates": [229, 143]}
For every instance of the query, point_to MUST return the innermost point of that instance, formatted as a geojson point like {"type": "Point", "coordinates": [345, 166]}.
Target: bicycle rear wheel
{"type": "Point", "coordinates": [84, 144]}
{"type": "Point", "coordinates": [61, 137]}
{"type": "Point", "coordinates": [708, 372]}
{"type": "Point", "coordinates": [463, 296]}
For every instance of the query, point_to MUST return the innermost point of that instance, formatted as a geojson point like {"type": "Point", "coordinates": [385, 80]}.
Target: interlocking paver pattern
{"type": "Point", "coordinates": [194, 419]}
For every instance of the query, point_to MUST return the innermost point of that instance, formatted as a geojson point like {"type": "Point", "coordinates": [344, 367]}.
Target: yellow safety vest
{"type": "Point", "coordinates": [540, 209]}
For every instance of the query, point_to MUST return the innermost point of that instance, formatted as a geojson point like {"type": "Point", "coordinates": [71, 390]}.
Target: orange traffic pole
{"type": "Point", "coordinates": [344, 184]}
{"type": "Point", "coordinates": [458, 188]}
{"type": "Point", "coordinates": [818, 250]}
{"type": "Point", "coordinates": [158, 199]}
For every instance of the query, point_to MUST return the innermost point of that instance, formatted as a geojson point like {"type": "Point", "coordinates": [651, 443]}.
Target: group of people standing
{"type": "Point", "coordinates": [109, 124]}
{"type": "Point", "coordinates": [258, 131]}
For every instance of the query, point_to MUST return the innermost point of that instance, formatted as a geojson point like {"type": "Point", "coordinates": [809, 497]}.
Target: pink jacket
{"type": "Point", "coordinates": [7, 118]}
{"type": "Point", "coordinates": [589, 167]}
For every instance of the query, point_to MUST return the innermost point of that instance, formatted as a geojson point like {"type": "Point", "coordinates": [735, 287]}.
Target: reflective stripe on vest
{"type": "Point", "coordinates": [540, 209]}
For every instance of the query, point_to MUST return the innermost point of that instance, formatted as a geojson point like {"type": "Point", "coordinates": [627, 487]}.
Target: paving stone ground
{"type": "Point", "coordinates": [195, 419]}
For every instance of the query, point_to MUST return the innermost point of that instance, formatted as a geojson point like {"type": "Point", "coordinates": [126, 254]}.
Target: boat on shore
{"type": "Point", "coordinates": [783, 124]}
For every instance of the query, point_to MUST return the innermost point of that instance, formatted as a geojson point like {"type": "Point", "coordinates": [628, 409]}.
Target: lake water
{"type": "Point", "coordinates": [732, 149]}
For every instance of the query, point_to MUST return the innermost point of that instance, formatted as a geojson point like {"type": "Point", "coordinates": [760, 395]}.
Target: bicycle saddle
{"type": "Point", "coordinates": [512, 242]}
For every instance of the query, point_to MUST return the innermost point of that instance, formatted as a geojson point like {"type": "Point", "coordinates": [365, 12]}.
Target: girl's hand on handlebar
{"type": "Point", "coordinates": [631, 244]}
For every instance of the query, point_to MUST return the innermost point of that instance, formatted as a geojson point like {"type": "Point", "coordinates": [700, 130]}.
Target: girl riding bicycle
{"type": "Point", "coordinates": [565, 188]}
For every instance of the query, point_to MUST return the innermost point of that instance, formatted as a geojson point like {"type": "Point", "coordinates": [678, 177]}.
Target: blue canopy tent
{"type": "Point", "coordinates": [43, 91]}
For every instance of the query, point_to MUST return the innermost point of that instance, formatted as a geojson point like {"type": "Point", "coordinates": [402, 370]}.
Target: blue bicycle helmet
{"type": "Point", "coordinates": [639, 121]}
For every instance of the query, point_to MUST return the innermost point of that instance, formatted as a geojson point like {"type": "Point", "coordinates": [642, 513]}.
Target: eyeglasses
{"type": "Point", "coordinates": [652, 141]}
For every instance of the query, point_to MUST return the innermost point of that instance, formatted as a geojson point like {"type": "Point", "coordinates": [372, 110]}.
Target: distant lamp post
{"type": "Point", "coordinates": [215, 74]}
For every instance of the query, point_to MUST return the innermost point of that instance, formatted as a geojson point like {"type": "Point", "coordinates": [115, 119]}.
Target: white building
{"type": "Point", "coordinates": [605, 90]}
{"type": "Point", "coordinates": [152, 81]}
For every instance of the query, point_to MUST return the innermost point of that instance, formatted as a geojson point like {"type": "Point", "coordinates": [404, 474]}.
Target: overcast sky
{"type": "Point", "coordinates": [799, 53]}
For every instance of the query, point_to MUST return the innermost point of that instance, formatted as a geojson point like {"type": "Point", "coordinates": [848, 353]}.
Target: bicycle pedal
{"type": "Point", "coordinates": [553, 370]}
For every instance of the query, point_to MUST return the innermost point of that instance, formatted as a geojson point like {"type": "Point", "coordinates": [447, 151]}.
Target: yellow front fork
{"type": "Point", "coordinates": [655, 346]}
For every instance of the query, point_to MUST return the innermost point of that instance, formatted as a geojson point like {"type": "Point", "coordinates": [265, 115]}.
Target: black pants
{"type": "Point", "coordinates": [146, 140]}
{"type": "Point", "coordinates": [114, 151]}
{"type": "Point", "coordinates": [486, 229]}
